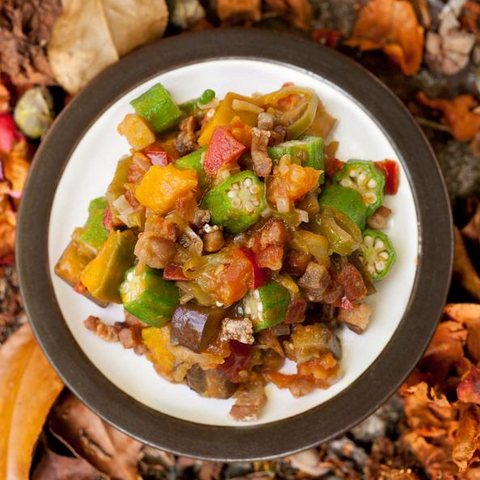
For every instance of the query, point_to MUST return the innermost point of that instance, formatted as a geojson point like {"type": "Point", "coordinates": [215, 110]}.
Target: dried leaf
{"type": "Point", "coordinates": [16, 167]}
{"type": "Point", "coordinates": [58, 467]}
{"type": "Point", "coordinates": [29, 386]}
{"type": "Point", "coordinates": [186, 13]}
{"type": "Point", "coordinates": [467, 438]}
{"type": "Point", "coordinates": [468, 390]}
{"type": "Point", "coordinates": [428, 413]}
{"type": "Point", "coordinates": [297, 12]}
{"type": "Point", "coordinates": [463, 312]}
{"type": "Point", "coordinates": [25, 27]}
{"type": "Point", "coordinates": [81, 45]}
{"type": "Point", "coordinates": [471, 230]}
{"type": "Point", "coordinates": [390, 25]}
{"type": "Point", "coordinates": [308, 462]}
{"type": "Point", "coordinates": [8, 225]}
{"type": "Point", "coordinates": [463, 268]}
{"type": "Point", "coordinates": [236, 11]}
{"type": "Point", "coordinates": [4, 97]}
{"type": "Point", "coordinates": [458, 114]}
{"type": "Point", "coordinates": [445, 351]}
{"type": "Point", "coordinates": [90, 35]}
{"type": "Point", "coordinates": [89, 437]}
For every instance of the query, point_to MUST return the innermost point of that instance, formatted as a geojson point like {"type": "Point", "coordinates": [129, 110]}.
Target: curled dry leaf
{"type": "Point", "coordinates": [25, 27]}
{"type": "Point", "coordinates": [58, 467]}
{"type": "Point", "coordinates": [390, 25]}
{"type": "Point", "coordinates": [90, 438]}
{"type": "Point", "coordinates": [15, 168]}
{"type": "Point", "coordinates": [236, 11]}
{"type": "Point", "coordinates": [467, 438]}
{"type": "Point", "coordinates": [458, 114]}
{"type": "Point", "coordinates": [463, 268]}
{"type": "Point", "coordinates": [468, 314]}
{"type": "Point", "coordinates": [444, 351]}
{"type": "Point", "coordinates": [428, 413]}
{"type": "Point", "coordinates": [471, 230]}
{"type": "Point", "coordinates": [297, 12]}
{"type": "Point", "coordinates": [4, 97]}
{"type": "Point", "coordinates": [186, 13]}
{"type": "Point", "coordinates": [468, 391]}
{"type": "Point", "coordinates": [29, 386]}
{"type": "Point", "coordinates": [90, 35]}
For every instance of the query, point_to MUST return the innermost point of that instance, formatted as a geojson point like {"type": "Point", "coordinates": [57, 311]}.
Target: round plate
{"type": "Point", "coordinates": [75, 163]}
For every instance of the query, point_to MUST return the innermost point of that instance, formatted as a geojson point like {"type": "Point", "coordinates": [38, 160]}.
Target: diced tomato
{"type": "Point", "coordinates": [174, 272]}
{"type": "Point", "coordinates": [392, 175]}
{"type": "Point", "coordinates": [157, 155]}
{"type": "Point", "coordinates": [224, 149]}
{"type": "Point", "coordinates": [80, 288]}
{"type": "Point", "coordinates": [227, 277]}
{"type": "Point", "coordinates": [108, 222]}
{"type": "Point", "coordinates": [288, 84]}
{"type": "Point", "coordinates": [333, 166]}
{"type": "Point", "coordinates": [260, 275]}
{"type": "Point", "coordinates": [237, 360]}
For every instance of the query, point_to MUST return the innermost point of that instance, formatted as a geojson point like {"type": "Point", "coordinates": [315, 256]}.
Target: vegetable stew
{"type": "Point", "coordinates": [236, 242]}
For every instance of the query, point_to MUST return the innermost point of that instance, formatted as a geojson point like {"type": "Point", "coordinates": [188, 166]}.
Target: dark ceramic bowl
{"type": "Point", "coordinates": [75, 163]}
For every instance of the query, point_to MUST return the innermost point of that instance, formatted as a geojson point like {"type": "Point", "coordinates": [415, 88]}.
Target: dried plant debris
{"type": "Point", "coordinates": [90, 35]}
{"type": "Point", "coordinates": [25, 27]}
{"type": "Point", "coordinates": [390, 25]}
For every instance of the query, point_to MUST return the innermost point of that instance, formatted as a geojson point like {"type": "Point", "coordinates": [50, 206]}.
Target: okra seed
{"type": "Point", "coordinates": [248, 182]}
{"type": "Point", "coordinates": [256, 203]}
{"type": "Point", "coordinates": [231, 194]}
{"type": "Point", "coordinates": [353, 173]}
{"type": "Point", "coordinates": [236, 202]}
{"type": "Point", "coordinates": [254, 189]}
{"type": "Point", "coordinates": [345, 182]}
{"type": "Point", "coordinates": [380, 266]}
{"type": "Point", "coordinates": [383, 255]}
{"type": "Point", "coordinates": [379, 245]}
{"type": "Point", "coordinates": [249, 207]}
{"type": "Point", "coordinates": [236, 186]}
{"type": "Point", "coordinates": [370, 198]}
{"type": "Point", "coordinates": [372, 183]}
{"type": "Point", "coordinates": [368, 241]}
{"type": "Point", "coordinates": [362, 179]}
{"type": "Point", "coordinates": [371, 268]}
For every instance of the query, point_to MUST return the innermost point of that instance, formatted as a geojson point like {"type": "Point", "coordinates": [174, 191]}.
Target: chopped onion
{"type": "Point", "coordinates": [243, 106]}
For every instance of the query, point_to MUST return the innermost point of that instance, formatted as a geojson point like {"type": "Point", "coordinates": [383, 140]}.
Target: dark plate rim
{"type": "Point", "coordinates": [321, 423]}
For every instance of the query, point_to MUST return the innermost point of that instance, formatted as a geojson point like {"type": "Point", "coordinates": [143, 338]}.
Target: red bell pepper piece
{"type": "Point", "coordinates": [260, 275]}
{"type": "Point", "coordinates": [333, 166]}
{"type": "Point", "coordinates": [174, 272]}
{"type": "Point", "coordinates": [157, 155]}
{"type": "Point", "coordinates": [392, 175]}
{"type": "Point", "coordinates": [223, 149]}
{"type": "Point", "coordinates": [108, 222]}
{"type": "Point", "coordinates": [237, 360]}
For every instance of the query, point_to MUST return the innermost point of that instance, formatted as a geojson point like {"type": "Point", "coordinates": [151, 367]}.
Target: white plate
{"type": "Point", "coordinates": [90, 170]}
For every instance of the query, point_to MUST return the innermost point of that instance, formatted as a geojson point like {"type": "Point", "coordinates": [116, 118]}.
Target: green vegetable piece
{"type": "Point", "coordinates": [377, 253]}
{"type": "Point", "coordinates": [308, 149]}
{"type": "Point", "coordinates": [267, 306]}
{"type": "Point", "coordinates": [104, 274]}
{"type": "Point", "coordinates": [343, 235]}
{"type": "Point", "coordinates": [94, 233]}
{"type": "Point", "coordinates": [347, 200]}
{"type": "Point", "coordinates": [237, 203]}
{"type": "Point", "coordinates": [147, 296]}
{"type": "Point", "coordinates": [120, 177]}
{"type": "Point", "coordinates": [194, 161]}
{"type": "Point", "coordinates": [158, 108]}
{"type": "Point", "coordinates": [206, 97]}
{"type": "Point", "coordinates": [368, 180]}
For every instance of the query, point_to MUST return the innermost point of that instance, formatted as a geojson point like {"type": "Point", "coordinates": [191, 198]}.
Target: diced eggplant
{"type": "Point", "coordinates": [210, 383]}
{"type": "Point", "coordinates": [195, 327]}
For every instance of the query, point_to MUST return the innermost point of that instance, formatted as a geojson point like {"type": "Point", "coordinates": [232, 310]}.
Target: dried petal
{"type": "Point", "coordinates": [458, 114]}
{"type": "Point", "coordinates": [468, 390]}
{"type": "Point", "coordinates": [296, 12]}
{"type": "Point", "coordinates": [390, 25]}
{"type": "Point", "coordinates": [463, 268]}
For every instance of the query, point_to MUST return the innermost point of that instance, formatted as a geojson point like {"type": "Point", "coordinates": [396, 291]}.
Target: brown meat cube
{"type": "Point", "coordinates": [250, 400]}
{"type": "Point", "coordinates": [239, 329]}
{"type": "Point", "coordinates": [315, 281]}
{"type": "Point", "coordinates": [138, 167]}
{"type": "Point", "coordinates": [268, 243]}
{"type": "Point", "coordinates": [378, 220]}
{"type": "Point", "coordinates": [296, 262]}
{"type": "Point", "coordinates": [358, 318]}
{"type": "Point", "coordinates": [156, 252]}
{"type": "Point", "coordinates": [262, 163]}
{"type": "Point", "coordinates": [186, 141]}
{"type": "Point", "coordinates": [213, 241]}
{"type": "Point", "coordinates": [106, 332]}
{"type": "Point", "coordinates": [352, 282]}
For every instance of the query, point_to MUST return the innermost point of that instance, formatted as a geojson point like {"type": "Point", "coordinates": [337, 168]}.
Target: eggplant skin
{"type": "Point", "coordinates": [195, 327]}
{"type": "Point", "coordinates": [211, 383]}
